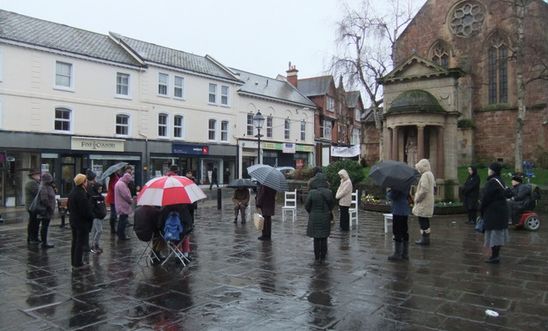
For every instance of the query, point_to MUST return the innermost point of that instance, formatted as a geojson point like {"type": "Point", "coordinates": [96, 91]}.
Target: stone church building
{"type": "Point", "coordinates": [451, 97]}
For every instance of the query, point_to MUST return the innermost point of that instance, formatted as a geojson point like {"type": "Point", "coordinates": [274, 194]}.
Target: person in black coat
{"type": "Point", "coordinates": [266, 201]}
{"type": "Point", "coordinates": [494, 211]}
{"type": "Point", "coordinates": [470, 191]}
{"type": "Point", "coordinates": [81, 219]}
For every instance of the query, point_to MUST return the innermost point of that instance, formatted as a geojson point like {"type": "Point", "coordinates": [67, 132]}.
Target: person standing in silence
{"type": "Point", "coordinates": [344, 195]}
{"type": "Point", "coordinates": [214, 179]}
{"type": "Point", "coordinates": [192, 208]}
{"type": "Point", "coordinates": [113, 179]}
{"type": "Point", "coordinates": [319, 204]}
{"type": "Point", "coordinates": [470, 191]}
{"type": "Point", "coordinates": [98, 210]}
{"type": "Point", "coordinates": [173, 170]}
{"type": "Point", "coordinates": [80, 218]}
{"type": "Point", "coordinates": [226, 178]}
{"type": "Point", "coordinates": [240, 200]}
{"type": "Point", "coordinates": [400, 214]}
{"type": "Point", "coordinates": [266, 201]}
{"type": "Point", "coordinates": [31, 189]}
{"type": "Point", "coordinates": [423, 204]}
{"type": "Point", "coordinates": [47, 199]}
{"type": "Point", "coordinates": [494, 210]}
{"type": "Point", "coordinates": [124, 203]}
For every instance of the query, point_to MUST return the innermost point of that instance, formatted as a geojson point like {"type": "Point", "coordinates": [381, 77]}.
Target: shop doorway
{"type": "Point", "coordinates": [70, 166]}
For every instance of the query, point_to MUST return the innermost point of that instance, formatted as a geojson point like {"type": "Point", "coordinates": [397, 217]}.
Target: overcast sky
{"type": "Point", "coordinates": [252, 35]}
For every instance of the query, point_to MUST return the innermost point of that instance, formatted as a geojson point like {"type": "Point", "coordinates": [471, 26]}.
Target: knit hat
{"type": "Point", "coordinates": [79, 179]}
{"type": "Point", "coordinates": [517, 178]}
{"type": "Point", "coordinates": [496, 167]}
{"type": "Point", "coordinates": [90, 175]}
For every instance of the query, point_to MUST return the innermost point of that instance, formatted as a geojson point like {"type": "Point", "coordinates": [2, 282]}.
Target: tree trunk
{"type": "Point", "coordinates": [520, 8]}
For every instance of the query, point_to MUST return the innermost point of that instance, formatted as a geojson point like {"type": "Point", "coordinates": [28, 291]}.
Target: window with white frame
{"type": "Point", "coordinates": [178, 83]}
{"type": "Point", "coordinates": [63, 75]}
{"type": "Point", "coordinates": [287, 128]}
{"type": "Point", "coordinates": [356, 133]}
{"type": "Point", "coordinates": [163, 82]}
{"type": "Point", "coordinates": [327, 126]}
{"type": "Point", "coordinates": [330, 104]}
{"type": "Point", "coordinates": [250, 126]}
{"type": "Point", "coordinates": [162, 125]}
{"type": "Point", "coordinates": [212, 93]}
{"type": "Point", "coordinates": [224, 95]}
{"type": "Point", "coordinates": [303, 130]}
{"type": "Point", "coordinates": [122, 84]}
{"type": "Point", "coordinates": [178, 126]}
{"type": "Point", "coordinates": [269, 121]}
{"type": "Point", "coordinates": [122, 124]}
{"type": "Point", "coordinates": [62, 119]}
{"type": "Point", "coordinates": [224, 130]}
{"type": "Point", "coordinates": [211, 134]}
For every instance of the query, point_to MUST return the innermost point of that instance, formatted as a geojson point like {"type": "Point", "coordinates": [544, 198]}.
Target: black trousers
{"type": "Point", "coordinates": [113, 218]}
{"type": "Point", "coordinates": [472, 215]}
{"type": "Point", "coordinates": [44, 230]}
{"type": "Point", "coordinates": [320, 248]}
{"type": "Point", "coordinates": [80, 239]}
{"type": "Point", "coordinates": [424, 223]}
{"type": "Point", "coordinates": [267, 227]}
{"type": "Point", "coordinates": [400, 228]}
{"type": "Point", "coordinates": [345, 218]}
{"type": "Point", "coordinates": [33, 227]}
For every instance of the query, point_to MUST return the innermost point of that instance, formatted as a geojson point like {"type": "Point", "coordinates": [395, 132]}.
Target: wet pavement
{"type": "Point", "coordinates": [237, 282]}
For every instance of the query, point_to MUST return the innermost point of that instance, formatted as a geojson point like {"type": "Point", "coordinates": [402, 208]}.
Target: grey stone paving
{"type": "Point", "coordinates": [238, 282]}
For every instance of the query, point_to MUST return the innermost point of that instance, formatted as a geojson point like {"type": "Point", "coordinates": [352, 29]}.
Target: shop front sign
{"type": "Point", "coordinates": [96, 144]}
{"type": "Point", "coordinates": [189, 149]}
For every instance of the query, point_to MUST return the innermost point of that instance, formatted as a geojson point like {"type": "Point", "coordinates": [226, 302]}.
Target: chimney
{"type": "Point", "coordinates": [292, 76]}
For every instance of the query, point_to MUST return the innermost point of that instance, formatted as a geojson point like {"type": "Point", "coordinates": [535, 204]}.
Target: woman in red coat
{"type": "Point", "coordinates": [110, 201]}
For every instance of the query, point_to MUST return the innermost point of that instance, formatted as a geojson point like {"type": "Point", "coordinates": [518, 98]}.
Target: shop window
{"type": "Point", "coordinates": [178, 126]}
{"type": "Point", "coordinates": [224, 130]}
{"type": "Point", "coordinates": [162, 125]}
{"type": "Point", "coordinates": [122, 125]}
{"type": "Point", "coordinates": [269, 121]}
{"type": "Point", "coordinates": [287, 128]}
{"type": "Point", "coordinates": [211, 129]}
{"type": "Point", "coordinates": [178, 83]}
{"type": "Point", "coordinates": [497, 68]}
{"type": "Point", "coordinates": [62, 119]}
{"type": "Point", "coordinates": [303, 130]}
{"type": "Point", "coordinates": [122, 84]}
{"type": "Point", "coordinates": [64, 75]}
{"type": "Point", "coordinates": [163, 81]}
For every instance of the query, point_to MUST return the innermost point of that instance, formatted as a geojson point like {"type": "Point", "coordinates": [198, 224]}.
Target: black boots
{"type": "Point", "coordinates": [494, 258]}
{"type": "Point", "coordinates": [401, 251]}
{"type": "Point", "coordinates": [425, 238]}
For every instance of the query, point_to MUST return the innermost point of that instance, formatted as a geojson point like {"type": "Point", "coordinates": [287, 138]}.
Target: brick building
{"type": "Point", "coordinates": [455, 82]}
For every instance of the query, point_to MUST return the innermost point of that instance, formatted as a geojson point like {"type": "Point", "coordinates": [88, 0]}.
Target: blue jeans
{"type": "Point", "coordinates": [122, 224]}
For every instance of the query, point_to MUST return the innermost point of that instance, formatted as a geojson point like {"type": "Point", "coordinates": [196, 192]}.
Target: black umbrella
{"type": "Point", "coordinates": [112, 169]}
{"type": "Point", "coordinates": [242, 183]}
{"type": "Point", "coordinates": [394, 174]}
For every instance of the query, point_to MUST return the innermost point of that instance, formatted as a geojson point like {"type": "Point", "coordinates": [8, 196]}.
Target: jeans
{"type": "Point", "coordinates": [400, 228]}
{"type": "Point", "coordinates": [80, 239]}
{"type": "Point", "coordinates": [345, 218]}
{"type": "Point", "coordinates": [96, 232]}
{"type": "Point", "coordinates": [122, 224]}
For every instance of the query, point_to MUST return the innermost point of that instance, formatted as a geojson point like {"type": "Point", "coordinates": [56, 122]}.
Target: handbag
{"type": "Point", "coordinates": [36, 207]}
{"type": "Point", "coordinates": [258, 220]}
{"type": "Point", "coordinates": [480, 225]}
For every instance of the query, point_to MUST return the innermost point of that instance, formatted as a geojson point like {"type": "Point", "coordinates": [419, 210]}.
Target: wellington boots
{"type": "Point", "coordinates": [405, 250]}
{"type": "Point", "coordinates": [398, 251]}
{"type": "Point", "coordinates": [425, 239]}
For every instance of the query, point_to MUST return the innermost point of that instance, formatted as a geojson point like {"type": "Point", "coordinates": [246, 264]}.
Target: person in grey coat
{"type": "Point", "coordinates": [47, 199]}
{"type": "Point", "coordinates": [319, 204]}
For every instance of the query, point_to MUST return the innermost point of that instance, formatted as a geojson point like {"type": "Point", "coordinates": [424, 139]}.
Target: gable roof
{"type": "Point", "coordinates": [352, 98]}
{"type": "Point", "coordinates": [59, 37]}
{"type": "Point", "coordinates": [266, 87]}
{"type": "Point", "coordinates": [315, 85]}
{"type": "Point", "coordinates": [170, 57]}
{"type": "Point", "coordinates": [434, 71]}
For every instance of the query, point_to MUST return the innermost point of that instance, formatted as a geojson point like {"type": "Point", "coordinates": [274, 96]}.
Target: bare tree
{"type": "Point", "coordinates": [366, 42]}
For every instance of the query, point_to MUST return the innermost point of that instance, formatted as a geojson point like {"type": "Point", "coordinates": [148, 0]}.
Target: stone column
{"type": "Point", "coordinates": [420, 142]}
{"type": "Point", "coordinates": [394, 142]}
{"type": "Point", "coordinates": [440, 154]}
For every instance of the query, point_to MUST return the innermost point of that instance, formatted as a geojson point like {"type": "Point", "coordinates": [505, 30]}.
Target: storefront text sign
{"type": "Point", "coordinates": [288, 148]}
{"type": "Point", "coordinates": [189, 149]}
{"type": "Point", "coordinates": [93, 144]}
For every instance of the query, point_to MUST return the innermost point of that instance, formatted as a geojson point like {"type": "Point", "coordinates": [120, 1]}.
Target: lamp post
{"type": "Point", "coordinates": [258, 121]}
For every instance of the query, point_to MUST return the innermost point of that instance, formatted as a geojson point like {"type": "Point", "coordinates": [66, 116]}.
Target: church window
{"type": "Point", "coordinates": [497, 67]}
{"type": "Point", "coordinates": [440, 54]}
{"type": "Point", "coordinates": [467, 19]}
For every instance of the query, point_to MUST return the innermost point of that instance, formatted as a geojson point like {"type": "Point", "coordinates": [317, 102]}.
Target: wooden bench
{"type": "Point", "coordinates": [62, 207]}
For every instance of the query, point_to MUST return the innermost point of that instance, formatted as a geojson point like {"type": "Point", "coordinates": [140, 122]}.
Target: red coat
{"type": "Point", "coordinates": [110, 192]}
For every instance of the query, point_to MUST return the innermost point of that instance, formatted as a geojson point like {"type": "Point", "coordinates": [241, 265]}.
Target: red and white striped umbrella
{"type": "Point", "coordinates": [169, 190]}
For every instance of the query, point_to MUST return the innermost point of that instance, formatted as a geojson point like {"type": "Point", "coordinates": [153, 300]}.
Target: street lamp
{"type": "Point", "coordinates": [258, 121]}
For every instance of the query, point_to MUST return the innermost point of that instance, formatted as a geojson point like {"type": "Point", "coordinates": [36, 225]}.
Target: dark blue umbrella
{"type": "Point", "coordinates": [394, 174]}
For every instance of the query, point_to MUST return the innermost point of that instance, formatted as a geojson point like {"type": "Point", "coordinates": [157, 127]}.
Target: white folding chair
{"type": "Point", "coordinates": [290, 204]}
{"type": "Point", "coordinates": [175, 250]}
{"type": "Point", "coordinates": [148, 254]}
{"type": "Point", "coordinates": [354, 206]}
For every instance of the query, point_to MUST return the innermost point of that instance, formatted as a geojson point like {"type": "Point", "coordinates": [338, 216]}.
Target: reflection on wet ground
{"type": "Point", "coordinates": [237, 282]}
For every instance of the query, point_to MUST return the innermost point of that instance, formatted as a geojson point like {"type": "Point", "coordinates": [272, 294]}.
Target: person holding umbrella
{"type": "Point", "coordinates": [240, 200]}
{"type": "Point", "coordinates": [266, 202]}
{"type": "Point", "coordinates": [423, 204]}
{"type": "Point", "coordinates": [400, 213]}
